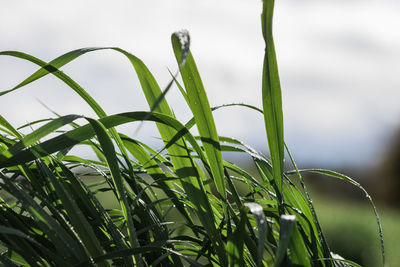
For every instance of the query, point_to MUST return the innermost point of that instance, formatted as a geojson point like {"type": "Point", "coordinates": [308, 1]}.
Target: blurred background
{"type": "Point", "coordinates": [339, 66]}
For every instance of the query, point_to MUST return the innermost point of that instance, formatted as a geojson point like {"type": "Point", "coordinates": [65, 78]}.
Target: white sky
{"type": "Point", "coordinates": [339, 64]}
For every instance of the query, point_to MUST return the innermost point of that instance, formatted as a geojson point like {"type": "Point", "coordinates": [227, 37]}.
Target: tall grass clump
{"type": "Point", "coordinates": [175, 206]}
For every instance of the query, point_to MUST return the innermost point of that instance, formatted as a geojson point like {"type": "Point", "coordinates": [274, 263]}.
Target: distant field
{"type": "Point", "coordinates": [351, 230]}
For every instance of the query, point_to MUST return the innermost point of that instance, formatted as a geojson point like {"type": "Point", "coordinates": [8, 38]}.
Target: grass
{"type": "Point", "coordinates": [176, 206]}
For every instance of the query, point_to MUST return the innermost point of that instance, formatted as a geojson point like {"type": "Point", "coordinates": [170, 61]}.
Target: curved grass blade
{"type": "Point", "coordinates": [239, 105]}
{"type": "Point", "coordinates": [65, 244]}
{"type": "Point", "coordinates": [325, 246]}
{"type": "Point", "coordinates": [145, 77]}
{"type": "Point", "coordinates": [358, 185]}
{"type": "Point", "coordinates": [112, 162]}
{"type": "Point", "coordinates": [52, 67]}
{"type": "Point", "coordinates": [80, 134]}
{"type": "Point", "coordinates": [12, 231]}
{"type": "Point", "coordinates": [38, 134]}
{"type": "Point", "coordinates": [193, 180]}
{"type": "Point", "coordinates": [75, 215]}
{"type": "Point", "coordinates": [180, 157]}
{"type": "Point", "coordinates": [95, 209]}
{"type": "Point", "coordinates": [153, 169]}
{"type": "Point", "coordinates": [9, 127]}
{"type": "Point", "coordinates": [7, 262]}
{"type": "Point", "coordinates": [30, 124]}
{"type": "Point", "coordinates": [189, 174]}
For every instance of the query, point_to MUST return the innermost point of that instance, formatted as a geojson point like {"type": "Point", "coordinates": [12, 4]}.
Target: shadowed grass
{"type": "Point", "coordinates": [176, 206]}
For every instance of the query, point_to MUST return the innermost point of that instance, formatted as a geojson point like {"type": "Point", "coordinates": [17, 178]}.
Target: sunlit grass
{"type": "Point", "coordinates": [176, 206]}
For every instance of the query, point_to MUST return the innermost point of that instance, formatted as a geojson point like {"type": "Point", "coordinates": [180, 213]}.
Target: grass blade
{"type": "Point", "coordinates": [66, 245]}
{"type": "Point", "coordinates": [112, 162]}
{"type": "Point", "coordinates": [78, 220]}
{"type": "Point", "coordinates": [9, 127]}
{"type": "Point", "coordinates": [38, 134]}
{"type": "Point", "coordinates": [153, 169]}
{"type": "Point", "coordinates": [353, 182]}
{"type": "Point", "coordinates": [52, 67]}
{"type": "Point", "coordinates": [201, 110]}
{"type": "Point", "coordinates": [326, 251]}
{"type": "Point", "coordinates": [272, 97]}
{"type": "Point", "coordinates": [287, 224]}
{"type": "Point", "coordinates": [258, 214]}
{"type": "Point", "coordinates": [235, 244]}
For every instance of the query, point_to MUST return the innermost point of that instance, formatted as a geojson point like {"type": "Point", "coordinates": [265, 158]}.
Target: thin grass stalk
{"type": "Point", "coordinates": [324, 243]}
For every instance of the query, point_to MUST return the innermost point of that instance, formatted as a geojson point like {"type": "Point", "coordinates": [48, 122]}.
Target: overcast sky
{"type": "Point", "coordinates": [339, 64]}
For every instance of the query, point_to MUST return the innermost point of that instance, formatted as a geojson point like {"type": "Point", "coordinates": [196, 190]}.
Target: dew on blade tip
{"type": "Point", "coordinates": [184, 39]}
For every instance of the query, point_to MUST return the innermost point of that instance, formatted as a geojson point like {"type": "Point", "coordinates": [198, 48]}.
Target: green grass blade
{"type": "Point", "coordinates": [38, 134]}
{"type": "Point", "coordinates": [201, 110]}
{"type": "Point", "coordinates": [298, 248]}
{"type": "Point", "coordinates": [272, 97]}
{"type": "Point", "coordinates": [30, 124]}
{"type": "Point", "coordinates": [358, 185]}
{"type": "Point", "coordinates": [180, 87]}
{"type": "Point", "coordinates": [8, 126]}
{"type": "Point", "coordinates": [7, 261]}
{"type": "Point", "coordinates": [12, 231]}
{"type": "Point", "coordinates": [65, 244]}
{"type": "Point", "coordinates": [326, 251]}
{"type": "Point", "coordinates": [258, 214]}
{"type": "Point", "coordinates": [86, 132]}
{"type": "Point", "coordinates": [112, 162]}
{"type": "Point", "coordinates": [287, 224]}
{"type": "Point", "coordinates": [77, 219]}
{"type": "Point", "coordinates": [189, 174]}
{"type": "Point", "coordinates": [180, 164]}
{"type": "Point", "coordinates": [157, 102]}
{"type": "Point", "coordinates": [205, 123]}
{"type": "Point", "coordinates": [95, 209]}
{"type": "Point", "coordinates": [52, 67]}
{"type": "Point", "coordinates": [153, 169]}
{"type": "Point", "coordinates": [235, 244]}
{"type": "Point", "coordinates": [297, 205]}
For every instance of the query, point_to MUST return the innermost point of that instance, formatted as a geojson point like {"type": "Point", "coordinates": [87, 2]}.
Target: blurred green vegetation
{"type": "Point", "coordinates": [351, 229]}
